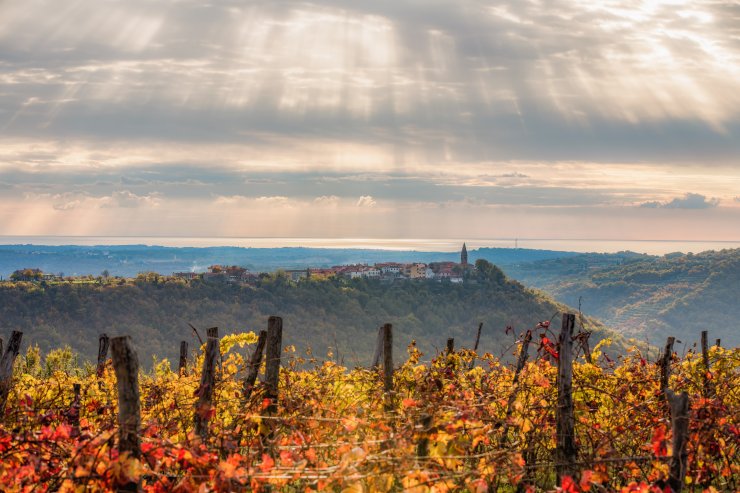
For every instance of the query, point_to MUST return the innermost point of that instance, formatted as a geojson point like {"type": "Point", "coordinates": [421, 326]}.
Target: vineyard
{"type": "Point", "coordinates": [555, 417]}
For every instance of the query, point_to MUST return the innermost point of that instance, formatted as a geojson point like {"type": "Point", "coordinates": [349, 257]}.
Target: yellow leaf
{"type": "Point", "coordinates": [380, 483]}
{"type": "Point", "coordinates": [354, 488]}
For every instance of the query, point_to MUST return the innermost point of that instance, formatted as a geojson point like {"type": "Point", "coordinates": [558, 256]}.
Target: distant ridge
{"type": "Point", "coordinates": [647, 297]}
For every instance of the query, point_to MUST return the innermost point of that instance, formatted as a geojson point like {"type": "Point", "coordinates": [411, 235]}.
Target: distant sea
{"type": "Point", "coordinates": [653, 247]}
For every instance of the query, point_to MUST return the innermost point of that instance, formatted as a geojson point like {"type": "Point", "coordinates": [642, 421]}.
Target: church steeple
{"type": "Point", "coordinates": [464, 256]}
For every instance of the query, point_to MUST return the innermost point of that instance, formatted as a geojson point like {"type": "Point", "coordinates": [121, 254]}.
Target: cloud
{"type": "Point", "coordinates": [688, 201]}
{"type": "Point", "coordinates": [693, 201]}
{"type": "Point", "coordinates": [69, 201]}
{"type": "Point", "coordinates": [737, 199]}
{"type": "Point", "coordinates": [273, 200]}
{"type": "Point", "coordinates": [366, 201]}
{"type": "Point", "coordinates": [315, 103]}
{"type": "Point", "coordinates": [127, 199]}
{"type": "Point", "coordinates": [327, 201]}
{"type": "Point", "coordinates": [460, 80]}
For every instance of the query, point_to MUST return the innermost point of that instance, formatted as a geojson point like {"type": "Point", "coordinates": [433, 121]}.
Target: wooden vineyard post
{"type": "Point", "coordinates": [477, 336]}
{"type": "Point", "coordinates": [449, 352]}
{"type": "Point", "coordinates": [182, 366]}
{"type": "Point", "coordinates": [422, 447]}
{"type": "Point", "coordinates": [717, 343]}
{"type": "Point", "coordinates": [74, 410]}
{"type": "Point", "coordinates": [583, 336]}
{"type": "Point", "coordinates": [6, 368]}
{"type": "Point", "coordinates": [273, 349]}
{"type": "Point", "coordinates": [707, 388]}
{"type": "Point", "coordinates": [679, 404]}
{"type": "Point", "coordinates": [378, 349]}
{"type": "Point", "coordinates": [475, 347]}
{"type": "Point", "coordinates": [521, 361]}
{"type": "Point", "coordinates": [103, 343]}
{"type": "Point", "coordinates": [254, 365]}
{"type": "Point", "coordinates": [126, 367]}
{"type": "Point", "coordinates": [1, 347]}
{"type": "Point", "coordinates": [665, 364]}
{"type": "Point", "coordinates": [565, 450]}
{"type": "Point", "coordinates": [388, 366]}
{"type": "Point", "coordinates": [204, 405]}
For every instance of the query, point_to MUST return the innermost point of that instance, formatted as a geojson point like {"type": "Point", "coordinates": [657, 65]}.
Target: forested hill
{"type": "Point", "coordinates": [648, 297]}
{"type": "Point", "coordinates": [338, 313]}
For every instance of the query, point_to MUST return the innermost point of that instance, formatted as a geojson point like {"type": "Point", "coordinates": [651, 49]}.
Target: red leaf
{"type": "Point", "coordinates": [567, 485]}
{"type": "Point", "coordinates": [658, 442]}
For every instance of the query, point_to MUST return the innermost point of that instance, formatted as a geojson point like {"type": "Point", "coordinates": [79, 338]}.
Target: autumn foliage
{"type": "Point", "coordinates": [332, 431]}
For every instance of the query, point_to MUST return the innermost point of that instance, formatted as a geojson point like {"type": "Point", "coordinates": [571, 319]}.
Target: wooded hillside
{"type": "Point", "coordinates": [339, 314]}
{"type": "Point", "coordinates": [647, 297]}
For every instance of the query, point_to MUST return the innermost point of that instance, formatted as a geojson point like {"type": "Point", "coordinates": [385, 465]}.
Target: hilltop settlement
{"type": "Point", "coordinates": [384, 271]}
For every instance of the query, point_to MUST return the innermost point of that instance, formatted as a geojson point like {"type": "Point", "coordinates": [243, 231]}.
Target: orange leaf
{"type": "Point", "coordinates": [267, 463]}
{"type": "Point", "coordinates": [409, 403]}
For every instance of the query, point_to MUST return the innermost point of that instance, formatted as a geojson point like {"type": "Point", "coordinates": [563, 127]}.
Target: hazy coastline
{"type": "Point", "coordinates": [650, 247]}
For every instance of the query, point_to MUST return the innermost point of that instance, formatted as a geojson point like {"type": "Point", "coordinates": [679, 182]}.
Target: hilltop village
{"type": "Point", "coordinates": [385, 271]}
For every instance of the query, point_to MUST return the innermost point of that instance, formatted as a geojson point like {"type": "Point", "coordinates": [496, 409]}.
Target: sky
{"type": "Point", "coordinates": [371, 118]}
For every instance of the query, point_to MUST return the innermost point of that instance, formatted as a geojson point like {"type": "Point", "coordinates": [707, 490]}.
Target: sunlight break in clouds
{"type": "Point", "coordinates": [503, 119]}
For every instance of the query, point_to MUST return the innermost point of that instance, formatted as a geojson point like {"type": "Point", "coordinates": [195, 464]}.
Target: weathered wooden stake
{"type": "Point", "coordinates": [679, 404]}
{"type": "Point", "coordinates": [450, 345]}
{"type": "Point", "coordinates": [665, 363]}
{"type": "Point", "coordinates": [475, 347]}
{"type": "Point", "coordinates": [103, 343]}
{"type": "Point", "coordinates": [378, 349]}
{"type": "Point", "coordinates": [717, 343]}
{"type": "Point", "coordinates": [182, 366]}
{"type": "Point", "coordinates": [422, 448]}
{"type": "Point", "coordinates": [565, 450]}
{"type": "Point", "coordinates": [126, 367]}
{"type": "Point", "coordinates": [707, 388]}
{"type": "Point", "coordinates": [477, 337]}
{"type": "Point", "coordinates": [586, 347]}
{"type": "Point", "coordinates": [1, 347]}
{"type": "Point", "coordinates": [521, 361]}
{"type": "Point", "coordinates": [388, 365]}
{"type": "Point", "coordinates": [254, 365]}
{"type": "Point", "coordinates": [74, 411]}
{"type": "Point", "coordinates": [6, 368]}
{"type": "Point", "coordinates": [273, 349]}
{"type": "Point", "coordinates": [204, 405]}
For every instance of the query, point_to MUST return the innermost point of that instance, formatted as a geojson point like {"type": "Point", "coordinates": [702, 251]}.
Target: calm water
{"type": "Point", "coordinates": [655, 247]}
